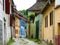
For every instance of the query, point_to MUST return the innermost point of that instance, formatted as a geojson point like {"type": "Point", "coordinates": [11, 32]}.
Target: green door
{"type": "Point", "coordinates": [37, 29]}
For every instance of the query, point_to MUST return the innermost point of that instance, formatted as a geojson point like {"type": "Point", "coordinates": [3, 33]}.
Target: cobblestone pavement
{"type": "Point", "coordinates": [26, 42]}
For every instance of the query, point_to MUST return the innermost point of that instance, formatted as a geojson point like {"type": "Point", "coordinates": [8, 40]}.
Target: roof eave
{"type": "Point", "coordinates": [57, 6]}
{"type": "Point", "coordinates": [44, 7]}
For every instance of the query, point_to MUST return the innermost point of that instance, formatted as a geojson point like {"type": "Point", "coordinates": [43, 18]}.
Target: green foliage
{"type": "Point", "coordinates": [36, 40]}
{"type": "Point", "coordinates": [24, 12]}
{"type": "Point", "coordinates": [31, 16]}
{"type": "Point", "coordinates": [10, 41]}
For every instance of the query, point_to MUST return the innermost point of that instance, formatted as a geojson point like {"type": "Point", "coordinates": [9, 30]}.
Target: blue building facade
{"type": "Point", "coordinates": [23, 28]}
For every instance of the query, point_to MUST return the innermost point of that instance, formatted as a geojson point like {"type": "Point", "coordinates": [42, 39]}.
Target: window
{"type": "Point", "coordinates": [51, 18]}
{"type": "Point", "coordinates": [46, 21]}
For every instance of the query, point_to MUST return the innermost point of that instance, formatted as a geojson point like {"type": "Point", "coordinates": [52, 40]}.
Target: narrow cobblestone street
{"type": "Point", "coordinates": [22, 41]}
{"type": "Point", "coordinates": [29, 22]}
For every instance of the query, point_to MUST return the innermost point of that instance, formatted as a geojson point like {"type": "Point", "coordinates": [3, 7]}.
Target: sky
{"type": "Point", "coordinates": [24, 4]}
{"type": "Point", "coordinates": [57, 2]}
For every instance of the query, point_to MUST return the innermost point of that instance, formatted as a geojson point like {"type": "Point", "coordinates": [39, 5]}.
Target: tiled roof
{"type": "Point", "coordinates": [40, 5]}
{"type": "Point", "coordinates": [37, 6]}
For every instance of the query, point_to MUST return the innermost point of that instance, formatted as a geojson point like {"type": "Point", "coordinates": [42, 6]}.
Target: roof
{"type": "Point", "coordinates": [48, 4]}
{"type": "Point", "coordinates": [38, 6]}
{"type": "Point", "coordinates": [57, 6]}
{"type": "Point", "coordinates": [19, 15]}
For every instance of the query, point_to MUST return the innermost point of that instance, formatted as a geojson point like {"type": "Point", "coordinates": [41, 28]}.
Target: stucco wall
{"type": "Point", "coordinates": [57, 26]}
{"type": "Point", "coordinates": [2, 15]}
{"type": "Point", "coordinates": [33, 26]}
{"type": "Point", "coordinates": [57, 19]}
{"type": "Point", "coordinates": [32, 29]}
{"type": "Point", "coordinates": [8, 30]}
{"type": "Point", "coordinates": [17, 26]}
{"type": "Point", "coordinates": [47, 31]}
{"type": "Point", "coordinates": [39, 18]}
{"type": "Point", "coordinates": [27, 30]}
{"type": "Point", "coordinates": [1, 18]}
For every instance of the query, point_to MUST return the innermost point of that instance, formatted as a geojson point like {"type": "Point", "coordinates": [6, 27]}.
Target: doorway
{"type": "Point", "coordinates": [58, 39]}
{"type": "Point", "coordinates": [59, 29]}
{"type": "Point", "coordinates": [37, 29]}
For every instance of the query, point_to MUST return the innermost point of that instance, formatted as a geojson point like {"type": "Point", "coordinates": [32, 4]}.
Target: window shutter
{"type": "Point", "coordinates": [7, 6]}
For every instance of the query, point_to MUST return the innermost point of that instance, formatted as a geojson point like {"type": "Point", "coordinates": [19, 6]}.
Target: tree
{"type": "Point", "coordinates": [24, 12]}
{"type": "Point", "coordinates": [31, 17]}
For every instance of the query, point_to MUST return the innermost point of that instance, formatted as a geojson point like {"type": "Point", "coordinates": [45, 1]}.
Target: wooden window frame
{"type": "Point", "coordinates": [46, 21]}
{"type": "Point", "coordinates": [51, 18]}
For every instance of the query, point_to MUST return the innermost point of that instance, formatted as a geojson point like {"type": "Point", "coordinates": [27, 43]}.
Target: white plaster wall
{"type": "Point", "coordinates": [1, 9]}
{"type": "Point", "coordinates": [7, 17]}
{"type": "Point", "coordinates": [1, 18]}
{"type": "Point", "coordinates": [8, 31]}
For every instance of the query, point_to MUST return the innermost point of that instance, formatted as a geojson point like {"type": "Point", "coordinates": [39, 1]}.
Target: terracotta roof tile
{"type": "Point", "coordinates": [37, 6]}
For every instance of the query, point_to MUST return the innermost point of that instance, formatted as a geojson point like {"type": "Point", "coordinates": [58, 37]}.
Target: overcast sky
{"type": "Point", "coordinates": [57, 2]}
{"type": "Point", "coordinates": [24, 4]}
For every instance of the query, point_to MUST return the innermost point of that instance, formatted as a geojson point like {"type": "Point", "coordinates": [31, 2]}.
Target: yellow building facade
{"type": "Point", "coordinates": [47, 29]}
{"type": "Point", "coordinates": [51, 24]}
{"type": "Point", "coordinates": [57, 25]}
{"type": "Point", "coordinates": [17, 27]}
